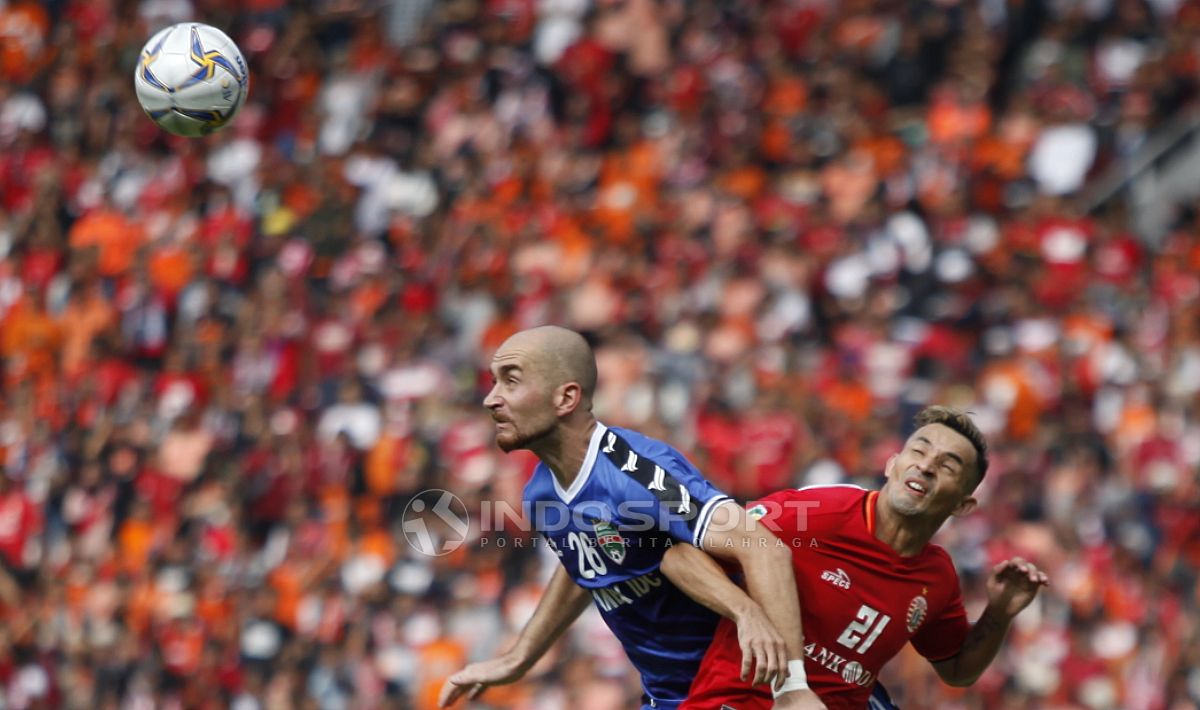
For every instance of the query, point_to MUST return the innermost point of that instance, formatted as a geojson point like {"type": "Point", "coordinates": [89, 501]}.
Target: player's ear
{"type": "Point", "coordinates": [966, 507]}
{"type": "Point", "coordinates": [887, 468]}
{"type": "Point", "coordinates": [567, 398]}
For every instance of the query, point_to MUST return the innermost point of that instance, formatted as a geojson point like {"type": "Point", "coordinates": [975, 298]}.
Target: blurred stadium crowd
{"type": "Point", "coordinates": [230, 363]}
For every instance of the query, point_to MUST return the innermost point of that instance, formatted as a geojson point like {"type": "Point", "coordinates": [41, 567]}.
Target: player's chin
{"type": "Point", "coordinates": [907, 504]}
{"type": "Point", "coordinates": [508, 441]}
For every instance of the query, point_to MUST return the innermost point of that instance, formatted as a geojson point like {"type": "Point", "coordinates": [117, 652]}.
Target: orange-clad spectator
{"type": "Point", "coordinates": [628, 187]}
{"type": "Point", "coordinates": [777, 141]}
{"type": "Point", "coordinates": [1010, 387]}
{"type": "Point", "coordinates": [438, 660]}
{"type": "Point", "coordinates": [368, 298]}
{"type": "Point", "coordinates": [30, 340]}
{"type": "Point", "coordinates": [115, 238]}
{"type": "Point", "coordinates": [1084, 331]}
{"type": "Point", "coordinates": [144, 599]}
{"type": "Point", "coordinates": [392, 465]}
{"type": "Point", "coordinates": [213, 603]}
{"type": "Point", "coordinates": [171, 268]}
{"type": "Point", "coordinates": [746, 181]}
{"type": "Point", "coordinates": [958, 115]}
{"type": "Point", "coordinates": [786, 96]}
{"type": "Point", "coordinates": [335, 512]}
{"type": "Point", "coordinates": [137, 539]}
{"type": "Point", "coordinates": [1003, 158]}
{"type": "Point", "coordinates": [88, 314]}
{"type": "Point", "coordinates": [887, 152]}
{"type": "Point", "coordinates": [1136, 421]}
{"type": "Point", "coordinates": [290, 581]}
{"type": "Point", "coordinates": [495, 334]}
{"type": "Point", "coordinates": [848, 395]}
{"type": "Point", "coordinates": [24, 29]}
{"type": "Point", "coordinates": [377, 542]}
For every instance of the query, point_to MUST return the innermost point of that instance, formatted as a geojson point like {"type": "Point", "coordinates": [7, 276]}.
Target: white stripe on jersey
{"type": "Point", "coordinates": [831, 485]}
{"type": "Point", "coordinates": [706, 516]}
{"type": "Point", "coordinates": [585, 471]}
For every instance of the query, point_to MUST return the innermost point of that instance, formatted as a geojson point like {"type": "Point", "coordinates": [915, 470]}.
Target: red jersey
{"type": "Point", "coordinates": [860, 602]}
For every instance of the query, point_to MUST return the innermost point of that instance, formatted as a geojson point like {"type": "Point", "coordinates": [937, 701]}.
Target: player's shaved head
{"type": "Point", "coordinates": [556, 355]}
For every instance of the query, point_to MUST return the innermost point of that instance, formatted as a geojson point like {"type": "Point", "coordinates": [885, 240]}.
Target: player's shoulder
{"type": "Point", "coordinates": [635, 440]}
{"type": "Point", "coordinates": [829, 504]}
{"type": "Point", "coordinates": [617, 443]}
{"type": "Point", "coordinates": [838, 496]}
{"type": "Point", "coordinates": [939, 556]}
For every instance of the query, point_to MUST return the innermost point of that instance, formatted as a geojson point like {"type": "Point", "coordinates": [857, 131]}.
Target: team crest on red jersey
{"type": "Point", "coordinates": [917, 609]}
{"type": "Point", "coordinates": [610, 540]}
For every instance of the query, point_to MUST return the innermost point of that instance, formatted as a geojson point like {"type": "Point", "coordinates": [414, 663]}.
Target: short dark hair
{"type": "Point", "coordinates": [960, 422]}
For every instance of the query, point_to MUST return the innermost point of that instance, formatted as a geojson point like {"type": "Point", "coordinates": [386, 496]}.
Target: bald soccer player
{"type": "Point", "coordinates": [610, 502]}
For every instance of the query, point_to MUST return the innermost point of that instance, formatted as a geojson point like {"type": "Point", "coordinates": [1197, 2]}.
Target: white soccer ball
{"type": "Point", "coordinates": [191, 79]}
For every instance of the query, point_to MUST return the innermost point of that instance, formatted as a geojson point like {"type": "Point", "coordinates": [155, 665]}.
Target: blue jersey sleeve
{"type": "Point", "coordinates": [663, 480]}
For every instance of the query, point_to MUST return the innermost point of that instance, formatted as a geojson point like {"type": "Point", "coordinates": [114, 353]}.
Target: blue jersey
{"type": "Point", "coordinates": [632, 499]}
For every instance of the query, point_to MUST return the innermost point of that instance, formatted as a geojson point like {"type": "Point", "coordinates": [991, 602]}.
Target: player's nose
{"type": "Point", "coordinates": [491, 401]}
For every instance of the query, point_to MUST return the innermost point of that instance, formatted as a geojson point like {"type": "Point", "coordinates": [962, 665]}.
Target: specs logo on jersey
{"type": "Point", "coordinates": [658, 483]}
{"type": "Point", "coordinates": [610, 540]}
{"type": "Point", "coordinates": [917, 609]}
{"type": "Point", "coordinates": [837, 579]}
{"type": "Point", "coordinates": [610, 442]}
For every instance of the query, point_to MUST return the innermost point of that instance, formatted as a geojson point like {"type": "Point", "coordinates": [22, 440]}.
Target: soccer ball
{"type": "Point", "coordinates": [191, 79]}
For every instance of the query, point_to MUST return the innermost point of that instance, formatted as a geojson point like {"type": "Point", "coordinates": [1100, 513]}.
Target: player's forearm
{"type": "Point", "coordinates": [701, 578]}
{"type": "Point", "coordinates": [562, 603]}
{"type": "Point", "coordinates": [772, 584]}
{"type": "Point", "coordinates": [979, 649]}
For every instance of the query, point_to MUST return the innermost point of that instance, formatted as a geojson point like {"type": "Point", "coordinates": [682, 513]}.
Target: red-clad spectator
{"type": "Point", "coordinates": [20, 525]}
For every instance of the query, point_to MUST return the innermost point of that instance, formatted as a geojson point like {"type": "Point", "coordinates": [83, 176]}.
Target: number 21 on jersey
{"type": "Point", "coordinates": [860, 635]}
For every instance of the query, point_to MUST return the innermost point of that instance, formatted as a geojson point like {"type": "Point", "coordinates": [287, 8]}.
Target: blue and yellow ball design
{"type": "Point", "coordinates": [191, 79]}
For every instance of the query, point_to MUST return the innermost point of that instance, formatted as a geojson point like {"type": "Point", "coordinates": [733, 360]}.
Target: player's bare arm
{"type": "Point", "coordinates": [767, 565]}
{"type": "Point", "coordinates": [1012, 586]}
{"type": "Point", "coordinates": [701, 578]}
{"type": "Point", "coordinates": [560, 606]}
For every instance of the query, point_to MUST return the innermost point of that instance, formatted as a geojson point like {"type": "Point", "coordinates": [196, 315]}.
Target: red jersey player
{"type": "Point", "coordinates": [869, 580]}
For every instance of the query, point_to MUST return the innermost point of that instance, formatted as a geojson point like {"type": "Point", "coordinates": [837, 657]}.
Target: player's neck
{"type": "Point", "coordinates": [565, 450]}
{"type": "Point", "coordinates": [907, 536]}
